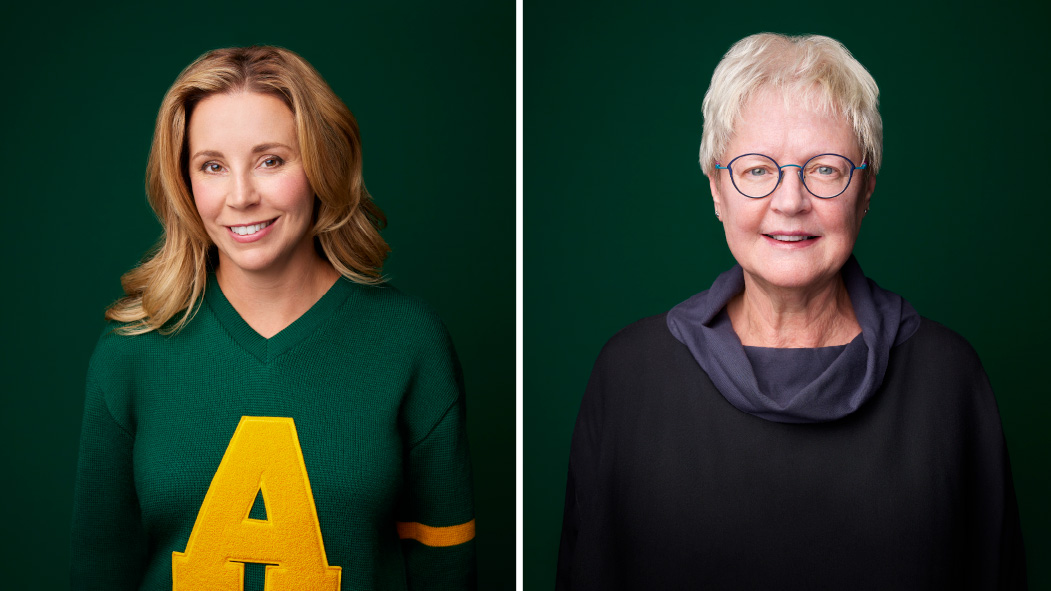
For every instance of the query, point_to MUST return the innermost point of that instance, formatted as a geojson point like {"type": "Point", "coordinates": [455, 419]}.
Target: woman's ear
{"type": "Point", "coordinates": [717, 199]}
{"type": "Point", "coordinates": [866, 192]}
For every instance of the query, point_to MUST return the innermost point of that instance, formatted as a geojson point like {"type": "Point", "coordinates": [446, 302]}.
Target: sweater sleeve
{"type": "Point", "coordinates": [997, 553]}
{"type": "Point", "coordinates": [586, 556]}
{"type": "Point", "coordinates": [991, 554]}
{"type": "Point", "coordinates": [108, 546]}
{"type": "Point", "coordinates": [435, 518]}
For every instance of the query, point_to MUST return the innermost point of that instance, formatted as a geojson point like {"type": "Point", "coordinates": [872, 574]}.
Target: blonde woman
{"type": "Point", "coordinates": [262, 406]}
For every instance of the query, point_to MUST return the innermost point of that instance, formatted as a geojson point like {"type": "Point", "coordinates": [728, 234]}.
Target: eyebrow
{"type": "Point", "coordinates": [256, 150]}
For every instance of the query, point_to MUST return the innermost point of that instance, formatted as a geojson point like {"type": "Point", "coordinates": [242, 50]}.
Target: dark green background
{"type": "Point", "coordinates": [433, 89]}
{"type": "Point", "coordinates": [619, 221]}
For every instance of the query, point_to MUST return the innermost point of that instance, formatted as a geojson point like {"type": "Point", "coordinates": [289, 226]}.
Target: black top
{"type": "Point", "coordinates": [672, 487]}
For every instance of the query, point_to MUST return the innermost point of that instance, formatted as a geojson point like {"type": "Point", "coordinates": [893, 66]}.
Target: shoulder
{"type": "Point", "coordinates": [388, 304]}
{"type": "Point", "coordinates": [647, 334]}
{"type": "Point", "coordinates": [409, 345]}
{"type": "Point", "coordinates": [642, 370]}
{"type": "Point", "coordinates": [118, 365]}
{"type": "Point", "coordinates": [936, 379]}
{"type": "Point", "coordinates": [941, 345]}
{"type": "Point", "coordinates": [940, 362]}
{"type": "Point", "coordinates": [389, 317]}
{"type": "Point", "coordinates": [115, 352]}
{"type": "Point", "coordinates": [642, 354]}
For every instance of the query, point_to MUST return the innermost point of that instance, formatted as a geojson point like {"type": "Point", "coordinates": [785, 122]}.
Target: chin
{"type": "Point", "coordinates": [792, 278]}
{"type": "Point", "coordinates": [253, 263]}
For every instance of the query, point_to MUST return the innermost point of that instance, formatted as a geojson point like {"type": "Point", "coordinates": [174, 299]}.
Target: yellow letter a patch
{"type": "Point", "coordinates": [263, 455]}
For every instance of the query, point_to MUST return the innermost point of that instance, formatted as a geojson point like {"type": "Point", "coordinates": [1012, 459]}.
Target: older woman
{"type": "Point", "coordinates": [795, 426]}
{"type": "Point", "coordinates": [264, 410]}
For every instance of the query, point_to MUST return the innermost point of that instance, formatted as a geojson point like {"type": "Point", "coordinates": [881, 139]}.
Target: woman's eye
{"type": "Point", "coordinates": [825, 170]}
{"type": "Point", "coordinates": [213, 167]}
{"type": "Point", "coordinates": [272, 162]}
{"type": "Point", "coordinates": [756, 172]}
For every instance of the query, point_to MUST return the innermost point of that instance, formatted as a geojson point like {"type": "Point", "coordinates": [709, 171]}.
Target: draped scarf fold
{"type": "Point", "coordinates": [854, 376]}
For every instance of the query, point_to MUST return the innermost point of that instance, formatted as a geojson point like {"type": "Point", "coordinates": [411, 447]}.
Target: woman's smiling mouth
{"type": "Point", "coordinates": [251, 228]}
{"type": "Point", "coordinates": [790, 237]}
{"type": "Point", "coordinates": [251, 232]}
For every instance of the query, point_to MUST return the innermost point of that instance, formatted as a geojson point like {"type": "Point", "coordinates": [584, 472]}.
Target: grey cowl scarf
{"type": "Point", "coordinates": [853, 377]}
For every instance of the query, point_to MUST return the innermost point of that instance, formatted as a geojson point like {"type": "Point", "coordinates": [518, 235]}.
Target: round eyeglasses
{"type": "Point", "coordinates": [825, 176]}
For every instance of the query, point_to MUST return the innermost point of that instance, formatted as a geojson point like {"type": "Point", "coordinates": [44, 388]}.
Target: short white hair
{"type": "Point", "coordinates": [815, 68]}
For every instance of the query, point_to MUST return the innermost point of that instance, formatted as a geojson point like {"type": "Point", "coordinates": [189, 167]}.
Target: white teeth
{"type": "Point", "coordinates": [246, 230]}
{"type": "Point", "coordinates": [788, 238]}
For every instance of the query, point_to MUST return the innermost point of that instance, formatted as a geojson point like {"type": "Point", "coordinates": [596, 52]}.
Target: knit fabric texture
{"type": "Point", "coordinates": [365, 383]}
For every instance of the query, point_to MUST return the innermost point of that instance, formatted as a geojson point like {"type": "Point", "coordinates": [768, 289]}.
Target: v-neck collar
{"type": "Point", "coordinates": [264, 349]}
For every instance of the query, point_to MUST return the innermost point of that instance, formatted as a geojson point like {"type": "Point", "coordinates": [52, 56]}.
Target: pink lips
{"type": "Point", "coordinates": [251, 237]}
{"type": "Point", "coordinates": [802, 239]}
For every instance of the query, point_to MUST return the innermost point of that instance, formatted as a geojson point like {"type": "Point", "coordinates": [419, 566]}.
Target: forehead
{"type": "Point", "coordinates": [790, 126]}
{"type": "Point", "coordinates": [240, 119]}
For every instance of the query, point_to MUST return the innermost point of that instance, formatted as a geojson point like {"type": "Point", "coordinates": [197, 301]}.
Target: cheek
{"type": "Point", "coordinates": [745, 217]}
{"type": "Point", "coordinates": [845, 221]}
{"type": "Point", "coordinates": [294, 194]}
{"type": "Point", "coordinates": [208, 197]}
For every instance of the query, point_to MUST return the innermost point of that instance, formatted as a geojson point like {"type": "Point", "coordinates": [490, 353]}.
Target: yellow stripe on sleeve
{"type": "Point", "coordinates": [438, 537]}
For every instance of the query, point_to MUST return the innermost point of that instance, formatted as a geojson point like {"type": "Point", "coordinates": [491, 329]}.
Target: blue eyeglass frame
{"type": "Point", "coordinates": [781, 173]}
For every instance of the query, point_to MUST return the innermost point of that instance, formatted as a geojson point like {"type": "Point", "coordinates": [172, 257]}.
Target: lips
{"type": "Point", "coordinates": [250, 228]}
{"type": "Point", "coordinates": [789, 237]}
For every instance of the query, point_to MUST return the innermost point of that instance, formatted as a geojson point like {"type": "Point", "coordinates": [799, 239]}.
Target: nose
{"type": "Point", "coordinates": [791, 196]}
{"type": "Point", "coordinates": [243, 193]}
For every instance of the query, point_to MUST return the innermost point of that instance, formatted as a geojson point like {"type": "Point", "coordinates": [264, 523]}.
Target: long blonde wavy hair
{"type": "Point", "coordinates": [171, 278]}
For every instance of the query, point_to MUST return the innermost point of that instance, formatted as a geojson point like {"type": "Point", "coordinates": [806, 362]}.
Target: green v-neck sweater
{"type": "Point", "coordinates": [335, 452]}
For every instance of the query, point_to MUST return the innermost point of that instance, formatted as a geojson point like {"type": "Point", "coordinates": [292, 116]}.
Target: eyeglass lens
{"type": "Point", "coordinates": [825, 176]}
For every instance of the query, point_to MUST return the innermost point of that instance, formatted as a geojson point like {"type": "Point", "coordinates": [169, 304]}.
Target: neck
{"type": "Point", "coordinates": [271, 301]}
{"type": "Point", "coordinates": [815, 316]}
